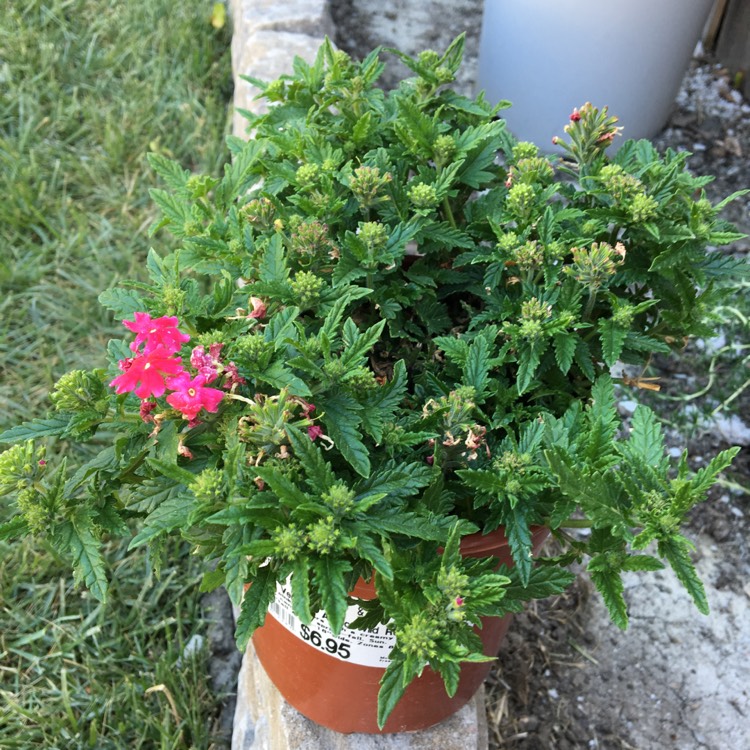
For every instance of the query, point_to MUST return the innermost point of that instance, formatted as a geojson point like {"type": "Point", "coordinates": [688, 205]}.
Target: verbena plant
{"type": "Point", "coordinates": [389, 326]}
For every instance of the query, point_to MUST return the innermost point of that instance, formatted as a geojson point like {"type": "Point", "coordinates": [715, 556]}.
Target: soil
{"type": "Point", "coordinates": [566, 677]}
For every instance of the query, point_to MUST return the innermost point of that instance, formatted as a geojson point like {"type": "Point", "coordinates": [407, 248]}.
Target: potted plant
{"type": "Point", "coordinates": [374, 374]}
{"type": "Point", "coordinates": [637, 71]}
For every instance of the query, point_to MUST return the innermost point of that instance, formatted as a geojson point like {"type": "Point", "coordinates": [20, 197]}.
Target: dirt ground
{"type": "Point", "coordinates": [567, 678]}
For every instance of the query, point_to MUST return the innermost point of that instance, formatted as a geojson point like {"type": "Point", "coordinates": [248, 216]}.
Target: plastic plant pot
{"type": "Point", "coordinates": [336, 692]}
{"type": "Point", "coordinates": [549, 56]}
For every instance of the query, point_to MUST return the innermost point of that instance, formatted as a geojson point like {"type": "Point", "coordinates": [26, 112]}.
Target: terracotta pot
{"type": "Point", "coordinates": [341, 695]}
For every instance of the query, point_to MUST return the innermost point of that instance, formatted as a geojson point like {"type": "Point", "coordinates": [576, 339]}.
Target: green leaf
{"type": "Point", "coordinates": [168, 516]}
{"type": "Point", "coordinates": [277, 375]}
{"type": "Point", "coordinates": [255, 605]}
{"type": "Point", "coordinates": [529, 355]}
{"type": "Point", "coordinates": [301, 590]}
{"type": "Point", "coordinates": [170, 171]}
{"type": "Point", "coordinates": [392, 687]}
{"type": "Point", "coordinates": [519, 539]}
{"type": "Point", "coordinates": [382, 402]}
{"type": "Point", "coordinates": [172, 471]}
{"type": "Point", "coordinates": [284, 489]}
{"type": "Point", "coordinates": [318, 470]}
{"type": "Point", "coordinates": [646, 442]}
{"type": "Point", "coordinates": [211, 580]}
{"type": "Point", "coordinates": [543, 582]}
{"type": "Point", "coordinates": [341, 416]}
{"type": "Point", "coordinates": [609, 584]}
{"type": "Point", "coordinates": [36, 428]}
{"type": "Point", "coordinates": [371, 552]}
{"type": "Point", "coordinates": [272, 267]}
{"type": "Point", "coordinates": [122, 302]}
{"type": "Point", "coordinates": [78, 536]}
{"type": "Point", "coordinates": [612, 339]}
{"type": "Point", "coordinates": [482, 481]}
{"type": "Point", "coordinates": [565, 348]}
{"type": "Point", "coordinates": [14, 528]}
{"type": "Point", "coordinates": [675, 550]}
{"type": "Point", "coordinates": [331, 583]}
{"type": "Point", "coordinates": [175, 211]}
{"type": "Point", "coordinates": [477, 368]}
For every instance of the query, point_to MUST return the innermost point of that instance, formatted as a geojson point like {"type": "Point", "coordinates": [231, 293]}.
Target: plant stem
{"type": "Point", "coordinates": [448, 212]}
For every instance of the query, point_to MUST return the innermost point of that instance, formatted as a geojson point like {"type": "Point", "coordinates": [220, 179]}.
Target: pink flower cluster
{"type": "Point", "coordinates": [156, 368]}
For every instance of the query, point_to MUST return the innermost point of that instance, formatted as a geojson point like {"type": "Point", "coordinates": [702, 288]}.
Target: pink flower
{"type": "Point", "coordinates": [232, 376]}
{"type": "Point", "coordinates": [156, 332]}
{"type": "Point", "coordinates": [145, 411]}
{"type": "Point", "coordinates": [145, 374]}
{"type": "Point", "coordinates": [259, 308]}
{"type": "Point", "coordinates": [576, 116]}
{"type": "Point", "coordinates": [459, 601]}
{"type": "Point", "coordinates": [191, 395]}
{"type": "Point", "coordinates": [207, 364]}
{"type": "Point", "coordinates": [314, 431]}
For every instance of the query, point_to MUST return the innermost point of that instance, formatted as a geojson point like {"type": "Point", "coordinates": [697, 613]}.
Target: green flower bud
{"type": "Point", "coordinates": [322, 536]}
{"type": "Point", "coordinates": [452, 582]}
{"type": "Point", "coordinates": [79, 391]}
{"type": "Point", "coordinates": [307, 175]}
{"type": "Point", "coordinates": [520, 201]}
{"type": "Point", "coordinates": [444, 149]}
{"type": "Point", "coordinates": [340, 499]}
{"type": "Point", "coordinates": [524, 150]}
{"type": "Point", "coordinates": [444, 75]}
{"type": "Point", "coordinates": [643, 207]}
{"type": "Point", "coordinates": [373, 234]}
{"type": "Point", "coordinates": [367, 185]}
{"type": "Point", "coordinates": [423, 196]}
{"type": "Point", "coordinates": [418, 638]}
{"type": "Point", "coordinates": [289, 541]}
{"type": "Point", "coordinates": [208, 486]}
{"type": "Point", "coordinates": [306, 288]}
{"type": "Point", "coordinates": [622, 314]}
{"type": "Point", "coordinates": [174, 299]}
{"type": "Point", "coordinates": [20, 467]}
{"type": "Point", "coordinates": [429, 58]}
{"type": "Point", "coordinates": [259, 212]}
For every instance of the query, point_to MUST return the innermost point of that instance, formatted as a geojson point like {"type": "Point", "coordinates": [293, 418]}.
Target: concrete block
{"type": "Point", "coordinates": [265, 721]}
{"type": "Point", "coordinates": [266, 55]}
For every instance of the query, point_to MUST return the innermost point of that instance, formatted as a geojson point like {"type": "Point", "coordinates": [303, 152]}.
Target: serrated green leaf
{"type": "Point", "coordinates": [272, 267]}
{"type": "Point", "coordinates": [78, 536]}
{"type": "Point", "coordinates": [477, 367]}
{"type": "Point", "coordinates": [318, 470]}
{"type": "Point", "coordinates": [529, 356]}
{"type": "Point", "coordinates": [279, 376]}
{"type": "Point", "coordinates": [676, 552]}
{"type": "Point", "coordinates": [392, 687]}
{"type": "Point", "coordinates": [609, 584]}
{"type": "Point", "coordinates": [122, 302]}
{"type": "Point", "coordinates": [482, 480]}
{"type": "Point", "coordinates": [331, 583]}
{"type": "Point", "coordinates": [519, 540]}
{"type": "Point", "coordinates": [284, 489]}
{"type": "Point", "coordinates": [381, 403]}
{"type": "Point", "coordinates": [341, 417]}
{"type": "Point", "coordinates": [211, 580]}
{"type": "Point", "coordinates": [565, 348]}
{"type": "Point", "coordinates": [172, 471]}
{"type": "Point", "coordinates": [301, 590]}
{"type": "Point", "coordinates": [36, 428]}
{"type": "Point", "coordinates": [255, 605]}
{"type": "Point", "coordinates": [612, 339]}
{"type": "Point", "coordinates": [169, 515]}
{"type": "Point", "coordinates": [14, 528]}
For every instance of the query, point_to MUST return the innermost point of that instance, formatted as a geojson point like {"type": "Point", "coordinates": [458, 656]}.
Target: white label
{"type": "Point", "coordinates": [370, 648]}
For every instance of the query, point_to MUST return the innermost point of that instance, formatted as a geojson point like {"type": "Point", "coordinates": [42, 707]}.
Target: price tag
{"type": "Point", "coordinates": [370, 648]}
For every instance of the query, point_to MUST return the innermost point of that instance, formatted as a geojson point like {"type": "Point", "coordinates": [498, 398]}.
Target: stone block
{"type": "Point", "coordinates": [265, 721]}
{"type": "Point", "coordinates": [266, 55]}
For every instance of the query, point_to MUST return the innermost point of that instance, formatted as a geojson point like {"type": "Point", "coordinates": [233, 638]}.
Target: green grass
{"type": "Point", "coordinates": [87, 89]}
